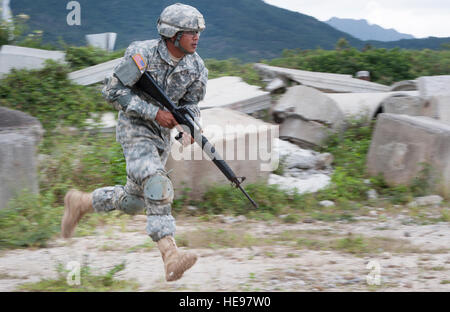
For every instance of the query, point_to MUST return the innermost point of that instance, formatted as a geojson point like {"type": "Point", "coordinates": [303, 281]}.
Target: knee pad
{"type": "Point", "coordinates": [131, 204]}
{"type": "Point", "coordinates": [158, 189]}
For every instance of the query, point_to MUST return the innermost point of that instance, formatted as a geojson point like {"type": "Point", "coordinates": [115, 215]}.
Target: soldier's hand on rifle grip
{"type": "Point", "coordinates": [186, 139]}
{"type": "Point", "coordinates": [165, 119]}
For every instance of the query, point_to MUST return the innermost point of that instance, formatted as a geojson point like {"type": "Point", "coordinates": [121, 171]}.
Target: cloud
{"type": "Point", "coordinates": [417, 17]}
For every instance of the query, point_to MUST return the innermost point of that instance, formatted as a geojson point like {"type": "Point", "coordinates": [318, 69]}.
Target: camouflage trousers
{"type": "Point", "coordinates": [143, 160]}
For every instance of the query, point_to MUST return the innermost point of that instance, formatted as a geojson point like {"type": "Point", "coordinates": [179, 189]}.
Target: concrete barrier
{"type": "Point", "coordinates": [19, 136]}
{"type": "Point", "coordinates": [402, 144]}
{"type": "Point", "coordinates": [405, 104]}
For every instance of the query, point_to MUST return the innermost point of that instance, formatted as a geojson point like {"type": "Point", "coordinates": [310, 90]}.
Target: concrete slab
{"type": "Point", "coordinates": [29, 58]}
{"type": "Point", "coordinates": [402, 144]}
{"type": "Point", "coordinates": [405, 85]}
{"type": "Point", "coordinates": [93, 74]}
{"type": "Point", "coordinates": [326, 82]}
{"type": "Point", "coordinates": [363, 104]}
{"type": "Point", "coordinates": [308, 104]}
{"type": "Point", "coordinates": [434, 85]}
{"type": "Point", "coordinates": [234, 93]}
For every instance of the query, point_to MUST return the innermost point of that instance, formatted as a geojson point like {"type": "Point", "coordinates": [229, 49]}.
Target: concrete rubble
{"type": "Point", "coordinates": [19, 136]}
{"type": "Point", "coordinates": [26, 58]}
{"type": "Point", "coordinates": [403, 146]}
{"type": "Point", "coordinates": [324, 82]}
{"type": "Point", "coordinates": [308, 116]}
{"type": "Point", "coordinates": [244, 142]}
{"type": "Point", "coordinates": [412, 131]}
{"type": "Point", "coordinates": [303, 171]}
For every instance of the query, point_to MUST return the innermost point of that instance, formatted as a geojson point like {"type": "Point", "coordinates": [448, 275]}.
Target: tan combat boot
{"type": "Point", "coordinates": [76, 205]}
{"type": "Point", "coordinates": [175, 261]}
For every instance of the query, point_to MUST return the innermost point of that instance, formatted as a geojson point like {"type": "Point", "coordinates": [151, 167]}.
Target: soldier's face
{"type": "Point", "coordinates": [189, 41]}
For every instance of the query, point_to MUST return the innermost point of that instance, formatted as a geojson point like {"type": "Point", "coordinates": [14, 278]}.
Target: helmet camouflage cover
{"type": "Point", "coordinates": [180, 17]}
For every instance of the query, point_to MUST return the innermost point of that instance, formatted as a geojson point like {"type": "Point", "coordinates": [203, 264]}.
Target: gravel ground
{"type": "Point", "coordinates": [414, 257]}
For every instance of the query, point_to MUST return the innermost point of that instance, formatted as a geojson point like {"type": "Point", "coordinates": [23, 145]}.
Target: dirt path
{"type": "Point", "coordinates": [256, 256]}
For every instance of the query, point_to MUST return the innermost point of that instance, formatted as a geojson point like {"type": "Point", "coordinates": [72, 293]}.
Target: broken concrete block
{"type": "Point", "coordinates": [326, 82]}
{"type": "Point", "coordinates": [93, 74]}
{"type": "Point", "coordinates": [434, 85]}
{"type": "Point", "coordinates": [28, 58]}
{"type": "Point", "coordinates": [402, 144]}
{"type": "Point", "coordinates": [309, 104]}
{"type": "Point", "coordinates": [405, 85]}
{"type": "Point", "coordinates": [19, 136]}
{"type": "Point", "coordinates": [355, 105]}
{"type": "Point", "coordinates": [312, 184]}
{"type": "Point", "coordinates": [234, 93]}
{"type": "Point", "coordinates": [244, 142]}
{"type": "Point", "coordinates": [406, 104]}
{"type": "Point", "coordinates": [276, 84]}
{"type": "Point", "coordinates": [306, 134]}
{"type": "Point", "coordinates": [307, 116]}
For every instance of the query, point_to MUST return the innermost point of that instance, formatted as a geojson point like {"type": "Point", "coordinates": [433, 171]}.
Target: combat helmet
{"type": "Point", "coordinates": [179, 17]}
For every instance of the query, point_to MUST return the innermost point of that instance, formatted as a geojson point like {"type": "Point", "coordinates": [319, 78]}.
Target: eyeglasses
{"type": "Point", "coordinates": [191, 33]}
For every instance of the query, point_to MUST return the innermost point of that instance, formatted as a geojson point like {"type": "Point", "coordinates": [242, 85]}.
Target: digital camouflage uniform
{"type": "Point", "coordinates": [146, 145]}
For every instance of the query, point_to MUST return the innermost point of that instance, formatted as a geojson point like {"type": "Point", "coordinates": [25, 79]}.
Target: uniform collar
{"type": "Point", "coordinates": [187, 62]}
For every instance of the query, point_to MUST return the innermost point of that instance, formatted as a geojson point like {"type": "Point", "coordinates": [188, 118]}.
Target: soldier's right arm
{"type": "Point", "coordinates": [117, 88]}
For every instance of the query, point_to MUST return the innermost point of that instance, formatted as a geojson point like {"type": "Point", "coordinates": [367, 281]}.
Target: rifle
{"type": "Point", "coordinates": [184, 117]}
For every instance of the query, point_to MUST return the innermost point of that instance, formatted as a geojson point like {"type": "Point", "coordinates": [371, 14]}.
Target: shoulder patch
{"type": "Point", "coordinates": [139, 60]}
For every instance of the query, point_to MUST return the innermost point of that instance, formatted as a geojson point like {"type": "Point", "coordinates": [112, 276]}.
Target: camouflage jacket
{"type": "Point", "coordinates": [184, 83]}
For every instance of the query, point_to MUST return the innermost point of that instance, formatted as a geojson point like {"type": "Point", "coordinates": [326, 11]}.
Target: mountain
{"type": "Point", "coordinates": [250, 30]}
{"type": "Point", "coordinates": [361, 29]}
{"type": "Point", "coordinates": [246, 29]}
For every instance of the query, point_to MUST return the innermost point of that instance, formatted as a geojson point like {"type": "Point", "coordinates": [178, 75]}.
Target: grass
{"type": "Point", "coordinates": [89, 282]}
{"type": "Point", "coordinates": [87, 161]}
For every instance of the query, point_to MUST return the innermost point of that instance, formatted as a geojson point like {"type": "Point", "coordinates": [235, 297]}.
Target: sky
{"type": "Point", "coordinates": [420, 18]}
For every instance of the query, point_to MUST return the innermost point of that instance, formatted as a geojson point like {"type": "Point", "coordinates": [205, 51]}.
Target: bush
{"type": "Point", "coordinates": [29, 221]}
{"type": "Point", "coordinates": [50, 96]}
{"type": "Point", "coordinates": [385, 65]}
{"type": "Point", "coordinates": [81, 57]}
{"type": "Point", "coordinates": [233, 67]}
